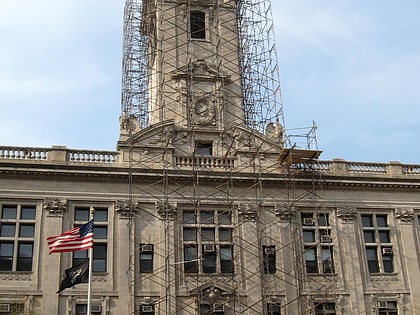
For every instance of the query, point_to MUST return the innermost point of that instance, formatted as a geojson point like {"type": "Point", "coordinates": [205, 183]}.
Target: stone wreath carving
{"type": "Point", "coordinates": [203, 112]}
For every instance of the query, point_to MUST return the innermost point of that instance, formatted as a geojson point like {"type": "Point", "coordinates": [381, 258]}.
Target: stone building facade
{"type": "Point", "coordinates": [198, 213]}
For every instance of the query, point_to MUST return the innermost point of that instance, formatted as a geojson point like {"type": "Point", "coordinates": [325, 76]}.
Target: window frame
{"type": "Point", "coordinates": [325, 308]}
{"type": "Point", "coordinates": [269, 259]}
{"type": "Point", "coordinates": [317, 240]}
{"type": "Point", "coordinates": [15, 222]}
{"type": "Point", "coordinates": [198, 25]}
{"type": "Point", "coordinates": [210, 252]}
{"type": "Point", "coordinates": [146, 259]}
{"type": "Point", "coordinates": [379, 254]}
{"type": "Point", "coordinates": [81, 215]}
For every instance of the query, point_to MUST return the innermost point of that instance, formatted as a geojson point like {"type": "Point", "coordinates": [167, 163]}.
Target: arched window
{"type": "Point", "coordinates": [198, 24]}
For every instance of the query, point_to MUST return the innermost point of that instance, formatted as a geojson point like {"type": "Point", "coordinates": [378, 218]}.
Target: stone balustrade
{"type": "Point", "coordinates": [57, 154]}
{"type": "Point", "coordinates": [335, 167]}
{"type": "Point", "coordinates": [17, 153]}
{"type": "Point", "coordinates": [84, 156]}
{"type": "Point", "coordinates": [204, 161]}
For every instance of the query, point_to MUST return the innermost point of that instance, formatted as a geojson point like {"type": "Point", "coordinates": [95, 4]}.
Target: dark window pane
{"type": "Point", "coordinates": [207, 235]}
{"type": "Point", "coordinates": [146, 262]}
{"type": "Point", "coordinates": [204, 149]}
{"type": "Point", "coordinates": [79, 257]}
{"type": "Point", "coordinates": [388, 263]}
{"type": "Point", "coordinates": [28, 213]}
{"type": "Point", "coordinates": [81, 214]}
{"type": "Point", "coordinates": [188, 218]}
{"type": "Point", "coordinates": [226, 260]}
{"type": "Point", "coordinates": [101, 215]}
{"type": "Point", "coordinates": [369, 236]}
{"type": "Point", "coordinates": [269, 259]}
{"type": "Point", "coordinates": [323, 220]}
{"type": "Point", "coordinates": [190, 234]}
{"type": "Point", "coordinates": [308, 236]}
{"type": "Point", "coordinates": [381, 221]}
{"type": "Point", "coordinates": [367, 220]}
{"type": "Point", "coordinates": [207, 217]}
{"type": "Point", "coordinates": [7, 230]}
{"type": "Point", "coordinates": [190, 258]}
{"type": "Point", "coordinates": [273, 309]}
{"type": "Point", "coordinates": [311, 261]}
{"type": "Point", "coordinates": [24, 262]}
{"type": "Point", "coordinates": [6, 256]}
{"type": "Point", "coordinates": [327, 260]}
{"type": "Point", "coordinates": [209, 262]}
{"type": "Point", "coordinates": [9, 212]}
{"type": "Point", "coordinates": [225, 235]}
{"type": "Point", "coordinates": [27, 230]}
{"type": "Point", "coordinates": [372, 260]}
{"type": "Point", "coordinates": [198, 25]}
{"type": "Point", "coordinates": [384, 237]}
{"type": "Point", "coordinates": [225, 218]}
{"type": "Point", "coordinates": [205, 309]}
{"type": "Point", "coordinates": [99, 257]}
{"type": "Point", "coordinates": [100, 232]}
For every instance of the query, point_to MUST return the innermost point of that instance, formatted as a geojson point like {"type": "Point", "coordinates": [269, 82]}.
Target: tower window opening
{"type": "Point", "coordinates": [198, 24]}
{"type": "Point", "coordinates": [204, 148]}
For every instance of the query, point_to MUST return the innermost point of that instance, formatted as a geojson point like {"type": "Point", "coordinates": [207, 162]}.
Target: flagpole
{"type": "Point", "coordinates": [92, 212]}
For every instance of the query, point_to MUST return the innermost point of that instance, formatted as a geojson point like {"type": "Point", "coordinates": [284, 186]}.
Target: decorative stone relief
{"type": "Point", "coordinates": [15, 276]}
{"type": "Point", "coordinates": [285, 212]}
{"type": "Point", "coordinates": [347, 214]}
{"type": "Point", "coordinates": [275, 132]}
{"type": "Point", "coordinates": [244, 140]}
{"type": "Point", "coordinates": [165, 137]}
{"type": "Point", "coordinates": [166, 210]}
{"type": "Point", "coordinates": [248, 212]}
{"type": "Point", "coordinates": [55, 206]}
{"type": "Point", "coordinates": [405, 215]}
{"type": "Point", "coordinates": [128, 122]}
{"type": "Point", "coordinates": [203, 109]}
{"type": "Point", "coordinates": [122, 207]}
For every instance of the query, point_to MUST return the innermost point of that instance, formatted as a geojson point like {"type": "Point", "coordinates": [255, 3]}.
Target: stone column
{"type": "Point", "coordinates": [250, 269]}
{"type": "Point", "coordinates": [166, 251]}
{"type": "Point", "coordinates": [124, 268]}
{"type": "Point", "coordinates": [409, 252]}
{"type": "Point", "coordinates": [292, 265]}
{"type": "Point", "coordinates": [49, 265]}
{"type": "Point", "coordinates": [352, 266]}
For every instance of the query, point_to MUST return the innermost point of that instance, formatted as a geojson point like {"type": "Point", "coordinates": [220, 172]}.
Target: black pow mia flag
{"type": "Point", "coordinates": [75, 275]}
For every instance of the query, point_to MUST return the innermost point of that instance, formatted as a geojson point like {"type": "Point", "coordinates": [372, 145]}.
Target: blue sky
{"type": "Point", "coordinates": [351, 66]}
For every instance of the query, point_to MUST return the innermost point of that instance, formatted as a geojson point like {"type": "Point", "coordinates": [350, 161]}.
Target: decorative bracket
{"type": "Point", "coordinates": [55, 206]}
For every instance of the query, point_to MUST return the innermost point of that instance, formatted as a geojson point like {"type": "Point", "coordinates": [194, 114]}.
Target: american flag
{"type": "Point", "coordinates": [78, 238]}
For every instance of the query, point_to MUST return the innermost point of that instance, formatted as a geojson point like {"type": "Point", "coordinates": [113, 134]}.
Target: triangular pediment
{"type": "Point", "coordinates": [200, 69]}
{"type": "Point", "coordinates": [216, 287]}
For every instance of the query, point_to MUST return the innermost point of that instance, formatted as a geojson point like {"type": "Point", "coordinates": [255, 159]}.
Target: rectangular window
{"type": "Point", "coordinates": [198, 25]}
{"type": "Point", "coordinates": [387, 308]}
{"type": "Point", "coordinates": [146, 258]}
{"type": "Point", "coordinates": [17, 234]}
{"type": "Point", "coordinates": [100, 237]}
{"type": "Point", "coordinates": [317, 243]}
{"type": "Point", "coordinates": [378, 246]}
{"type": "Point", "coordinates": [269, 258]}
{"type": "Point", "coordinates": [207, 234]}
{"type": "Point", "coordinates": [273, 309]}
{"type": "Point", "coordinates": [81, 309]}
{"type": "Point", "coordinates": [325, 308]}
